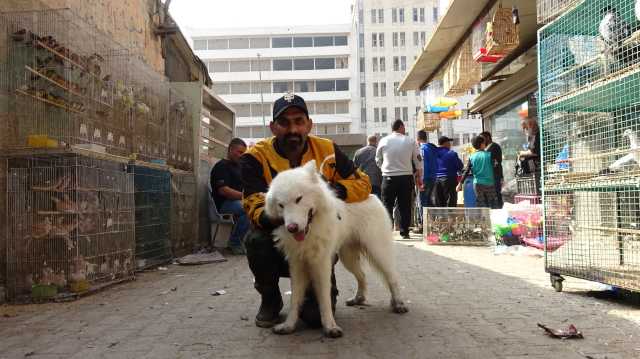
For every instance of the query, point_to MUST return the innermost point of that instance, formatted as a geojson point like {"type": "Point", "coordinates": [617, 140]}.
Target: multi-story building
{"type": "Point", "coordinates": [252, 67]}
{"type": "Point", "coordinates": [390, 34]}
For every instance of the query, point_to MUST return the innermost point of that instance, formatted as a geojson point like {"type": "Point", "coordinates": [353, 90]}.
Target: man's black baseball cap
{"type": "Point", "coordinates": [286, 102]}
{"type": "Point", "coordinates": [444, 139]}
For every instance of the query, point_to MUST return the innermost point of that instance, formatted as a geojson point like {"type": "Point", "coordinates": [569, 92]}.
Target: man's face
{"type": "Point", "coordinates": [235, 152]}
{"type": "Point", "coordinates": [291, 129]}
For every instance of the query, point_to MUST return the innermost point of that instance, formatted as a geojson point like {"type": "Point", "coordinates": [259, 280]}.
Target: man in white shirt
{"type": "Point", "coordinates": [399, 159]}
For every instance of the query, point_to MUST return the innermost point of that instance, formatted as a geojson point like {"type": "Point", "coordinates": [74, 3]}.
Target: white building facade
{"type": "Point", "coordinates": [390, 35]}
{"type": "Point", "coordinates": [252, 67]}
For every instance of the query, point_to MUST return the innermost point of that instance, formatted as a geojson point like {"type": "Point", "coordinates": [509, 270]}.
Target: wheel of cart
{"type": "Point", "coordinates": [556, 281]}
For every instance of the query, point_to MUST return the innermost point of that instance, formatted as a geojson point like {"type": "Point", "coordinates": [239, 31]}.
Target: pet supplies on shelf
{"type": "Point", "coordinates": [466, 226]}
{"type": "Point", "coordinates": [70, 224]}
{"type": "Point", "coordinates": [589, 86]}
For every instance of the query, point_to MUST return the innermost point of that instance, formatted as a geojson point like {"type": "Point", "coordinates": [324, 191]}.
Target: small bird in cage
{"type": "Point", "coordinates": [633, 157]}
{"type": "Point", "coordinates": [42, 230]}
{"type": "Point", "coordinates": [20, 35]}
{"type": "Point", "coordinates": [65, 205]}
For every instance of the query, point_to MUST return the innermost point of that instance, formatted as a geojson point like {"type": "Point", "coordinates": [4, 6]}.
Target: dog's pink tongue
{"type": "Point", "coordinates": [299, 236]}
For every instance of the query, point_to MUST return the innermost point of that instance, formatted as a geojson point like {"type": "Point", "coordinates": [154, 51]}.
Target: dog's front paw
{"type": "Point", "coordinates": [357, 300]}
{"type": "Point", "coordinates": [284, 328]}
{"type": "Point", "coordinates": [399, 307]}
{"type": "Point", "coordinates": [335, 332]}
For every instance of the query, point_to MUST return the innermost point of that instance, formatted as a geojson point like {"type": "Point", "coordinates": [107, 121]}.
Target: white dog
{"type": "Point", "coordinates": [316, 226]}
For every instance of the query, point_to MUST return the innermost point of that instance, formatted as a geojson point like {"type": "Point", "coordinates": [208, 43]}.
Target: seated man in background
{"type": "Point", "coordinates": [226, 183]}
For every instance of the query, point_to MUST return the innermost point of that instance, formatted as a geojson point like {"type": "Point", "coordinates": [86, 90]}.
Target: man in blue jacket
{"type": "Point", "coordinates": [449, 166]}
{"type": "Point", "coordinates": [430, 169]}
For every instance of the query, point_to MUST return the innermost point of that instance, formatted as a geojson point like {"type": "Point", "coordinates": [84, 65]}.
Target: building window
{"type": "Point", "coordinates": [360, 16]}
{"type": "Point", "coordinates": [398, 113]}
{"type": "Point", "coordinates": [374, 17]}
{"type": "Point", "coordinates": [380, 16]}
{"type": "Point", "coordinates": [260, 65]}
{"type": "Point", "coordinates": [402, 39]}
{"type": "Point", "coordinates": [363, 115]}
{"type": "Point", "coordinates": [401, 15]}
{"type": "Point", "coordinates": [435, 14]}
{"type": "Point", "coordinates": [258, 110]}
{"type": "Point", "coordinates": [241, 88]}
{"type": "Point", "coordinates": [259, 43]}
{"type": "Point", "coordinates": [376, 115]}
{"type": "Point", "coordinates": [242, 110]}
{"type": "Point", "coordinates": [199, 44]}
{"type": "Point", "coordinates": [405, 114]}
{"type": "Point", "coordinates": [422, 15]}
{"type": "Point", "coordinates": [383, 89]}
{"type": "Point", "coordinates": [394, 15]}
{"type": "Point", "coordinates": [325, 108]}
{"type": "Point", "coordinates": [243, 132]}
{"type": "Point", "coordinates": [374, 40]}
{"type": "Point", "coordinates": [240, 66]}
{"type": "Point", "coordinates": [282, 65]}
{"type": "Point", "coordinates": [220, 66]}
{"type": "Point", "coordinates": [302, 42]}
{"type": "Point", "coordinates": [362, 64]}
{"type": "Point", "coordinates": [403, 63]}
{"type": "Point", "coordinates": [396, 86]}
{"type": "Point", "coordinates": [280, 42]}
{"type": "Point", "coordinates": [325, 85]}
{"type": "Point", "coordinates": [381, 39]}
{"type": "Point", "coordinates": [361, 40]}
{"type": "Point", "coordinates": [322, 41]}
{"type": "Point", "coordinates": [282, 87]}
{"type": "Point", "coordinates": [396, 63]}
{"type": "Point", "coordinates": [374, 63]}
{"type": "Point", "coordinates": [239, 43]}
{"type": "Point", "coordinates": [376, 93]}
{"type": "Point", "coordinates": [260, 87]}
{"type": "Point", "coordinates": [416, 38]}
{"type": "Point", "coordinates": [382, 65]}
{"type": "Point", "coordinates": [303, 64]}
{"type": "Point", "coordinates": [363, 89]}
{"type": "Point", "coordinates": [383, 114]}
{"type": "Point", "coordinates": [423, 38]}
{"type": "Point", "coordinates": [304, 86]}
{"type": "Point", "coordinates": [341, 41]}
{"type": "Point", "coordinates": [395, 39]}
{"type": "Point", "coordinates": [342, 85]}
{"type": "Point", "coordinates": [221, 88]}
{"type": "Point", "coordinates": [342, 107]}
{"type": "Point", "coordinates": [415, 14]}
{"type": "Point", "coordinates": [325, 63]}
{"type": "Point", "coordinates": [342, 62]}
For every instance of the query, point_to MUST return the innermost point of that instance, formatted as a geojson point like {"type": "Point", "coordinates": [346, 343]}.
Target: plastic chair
{"type": "Point", "coordinates": [216, 218]}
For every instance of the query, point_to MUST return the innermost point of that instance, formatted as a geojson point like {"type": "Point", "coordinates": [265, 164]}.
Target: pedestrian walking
{"type": "Point", "coordinates": [481, 166]}
{"type": "Point", "coordinates": [397, 155]}
{"type": "Point", "coordinates": [428, 152]}
{"type": "Point", "coordinates": [365, 160]}
{"type": "Point", "coordinates": [449, 166]}
{"type": "Point", "coordinates": [226, 184]}
{"type": "Point", "coordinates": [496, 158]}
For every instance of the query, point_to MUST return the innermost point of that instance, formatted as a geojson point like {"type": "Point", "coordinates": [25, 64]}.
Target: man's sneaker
{"type": "Point", "coordinates": [417, 230]}
{"type": "Point", "coordinates": [269, 313]}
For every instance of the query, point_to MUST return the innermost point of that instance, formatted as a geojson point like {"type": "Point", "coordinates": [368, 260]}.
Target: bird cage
{"type": "Point", "coordinates": [463, 72]}
{"type": "Point", "coordinates": [181, 138]}
{"type": "Point", "coordinates": [478, 41]}
{"type": "Point", "coordinates": [550, 9]}
{"type": "Point", "coordinates": [466, 226]}
{"type": "Point", "coordinates": [502, 34]}
{"type": "Point", "coordinates": [70, 224]}
{"type": "Point", "coordinates": [184, 213]}
{"type": "Point", "coordinates": [590, 120]}
{"type": "Point", "coordinates": [149, 101]}
{"type": "Point", "coordinates": [59, 81]}
{"type": "Point", "coordinates": [428, 121]}
{"type": "Point", "coordinates": [152, 190]}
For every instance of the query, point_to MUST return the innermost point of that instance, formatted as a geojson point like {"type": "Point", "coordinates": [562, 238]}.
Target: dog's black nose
{"type": "Point", "coordinates": [292, 228]}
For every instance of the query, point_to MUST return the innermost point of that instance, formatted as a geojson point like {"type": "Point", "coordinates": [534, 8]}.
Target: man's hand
{"type": "Point", "coordinates": [459, 187]}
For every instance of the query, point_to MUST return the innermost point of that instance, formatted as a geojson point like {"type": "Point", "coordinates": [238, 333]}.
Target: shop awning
{"type": "Point", "coordinates": [454, 27]}
{"type": "Point", "coordinates": [506, 91]}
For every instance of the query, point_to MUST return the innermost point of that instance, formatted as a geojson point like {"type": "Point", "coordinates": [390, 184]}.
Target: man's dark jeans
{"type": "Point", "coordinates": [445, 192]}
{"type": "Point", "coordinates": [268, 265]}
{"type": "Point", "coordinates": [400, 188]}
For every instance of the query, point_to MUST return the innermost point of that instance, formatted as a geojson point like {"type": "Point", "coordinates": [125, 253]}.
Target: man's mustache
{"type": "Point", "coordinates": [293, 137]}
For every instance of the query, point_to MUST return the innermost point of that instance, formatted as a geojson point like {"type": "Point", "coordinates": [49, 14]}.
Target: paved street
{"type": "Point", "coordinates": [464, 303]}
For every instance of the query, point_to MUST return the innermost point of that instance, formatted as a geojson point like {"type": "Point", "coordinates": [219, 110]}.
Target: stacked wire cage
{"type": "Point", "coordinates": [70, 224]}
{"type": "Point", "coordinates": [184, 213]}
{"type": "Point", "coordinates": [589, 79]}
{"type": "Point", "coordinates": [462, 226]}
{"type": "Point", "coordinates": [181, 137]}
{"type": "Point", "coordinates": [59, 79]}
{"type": "Point", "coordinates": [152, 192]}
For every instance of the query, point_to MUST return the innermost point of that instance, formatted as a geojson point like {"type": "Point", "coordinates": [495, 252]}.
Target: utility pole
{"type": "Point", "coordinates": [264, 122]}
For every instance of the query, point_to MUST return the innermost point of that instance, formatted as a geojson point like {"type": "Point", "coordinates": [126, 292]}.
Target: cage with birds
{"type": "Point", "coordinates": [463, 71]}
{"type": "Point", "coordinates": [589, 88]}
{"type": "Point", "coordinates": [59, 79]}
{"type": "Point", "coordinates": [70, 224]}
{"type": "Point", "coordinates": [466, 226]}
{"type": "Point", "coordinates": [184, 212]}
{"type": "Point", "coordinates": [181, 137]}
{"type": "Point", "coordinates": [152, 193]}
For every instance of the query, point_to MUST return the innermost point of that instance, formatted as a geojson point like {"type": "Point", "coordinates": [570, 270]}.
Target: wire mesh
{"type": "Point", "coordinates": [181, 139]}
{"type": "Point", "coordinates": [70, 224]}
{"type": "Point", "coordinates": [590, 91]}
{"type": "Point", "coordinates": [467, 226]}
{"type": "Point", "coordinates": [550, 9]}
{"type": "Point", "coordinates": [184, 213]}
{"type": "Point", "coordinates": [60, 78]}
{"type": "Point", "coordinates": [152, 191]}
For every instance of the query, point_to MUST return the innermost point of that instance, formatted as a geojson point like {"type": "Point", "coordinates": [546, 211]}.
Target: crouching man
{"type": "Point", "coordinates": [291, 146]}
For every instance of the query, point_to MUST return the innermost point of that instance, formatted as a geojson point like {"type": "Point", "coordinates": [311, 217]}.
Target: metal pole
{"type": "Point", "coordinates": [264, 123]}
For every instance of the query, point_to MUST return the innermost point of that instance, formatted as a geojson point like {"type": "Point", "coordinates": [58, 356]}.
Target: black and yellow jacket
{"type": "Point", "coordinates": [262, 162]}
